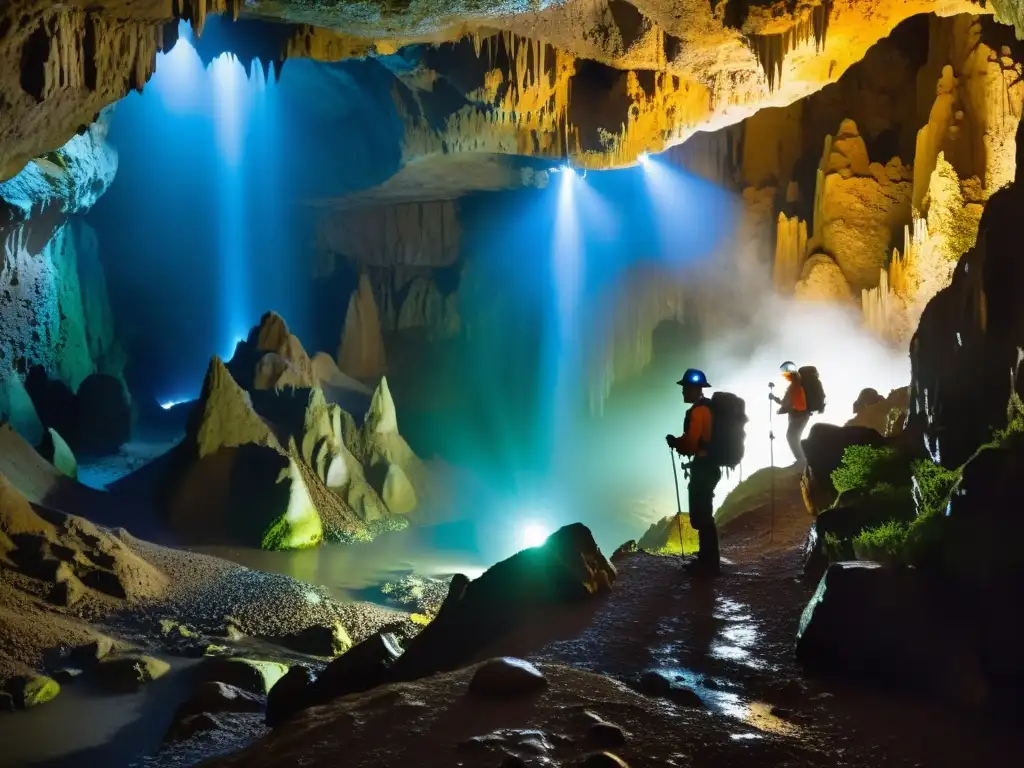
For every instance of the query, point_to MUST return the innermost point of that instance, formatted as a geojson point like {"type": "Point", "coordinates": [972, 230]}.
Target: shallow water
{"type": "Point", "coordinates": [356, 571]}
{"type": "Point", "coordinates": [85, 727]}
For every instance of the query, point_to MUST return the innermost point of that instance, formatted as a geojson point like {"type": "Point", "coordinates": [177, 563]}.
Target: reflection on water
{"type": "Point", "coordinates": [724, 630]}
{"type": "Point", "coordinates": [737, 639]}
{"type": "Point", "coordinates": [347, 571]}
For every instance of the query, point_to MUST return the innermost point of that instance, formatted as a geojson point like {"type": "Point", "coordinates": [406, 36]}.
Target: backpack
{"type": "Point", "coordinates": [728, 429]}
{"type": "Point", "coordinates": [813, 390]}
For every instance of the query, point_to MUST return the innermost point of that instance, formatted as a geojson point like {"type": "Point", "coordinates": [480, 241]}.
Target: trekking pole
{"type": "Point", "coordinates": [771, 458]}
{"type": "Point", "coordinates": [679, 504]}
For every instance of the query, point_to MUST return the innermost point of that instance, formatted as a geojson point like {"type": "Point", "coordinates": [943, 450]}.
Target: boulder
{"type": "Point", "coordinates": [506, 678]}
{"type": "Point", "coordinates": [366, 666]}
{"type": "Point", "coordinates": [252, 675]}
{"type": "Point", "coordinates": [56, 451]}
{"type": "Point", "coordinates": [885, 415]}
{"type": "Point", "coordinates": [317, 640]}
{"type": "Point", "coordinates": [27, 691]}
{"type": "Point", "coordinates": [129, 673]}
{"type": "Point", "coordinates": [842, 522]}
{"type": "Point", "coordinates": [291, 694]}
{"type": "Point", "coordinates": [210, 699]}
{"type": "Point", "coordinates": [624, 551]}
{"type": "Point", "coordinates": [104, 416]}
{"type": "Point", "coordinates": [870, 622]}
{"type": "Point", "coordinates": [567, 568]}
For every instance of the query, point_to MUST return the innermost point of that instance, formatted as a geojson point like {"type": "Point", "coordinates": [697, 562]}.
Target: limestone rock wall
{"type": "Point", "coordinates": [401, 235]}
{"type": "Point", "coordinates": [54, 307]}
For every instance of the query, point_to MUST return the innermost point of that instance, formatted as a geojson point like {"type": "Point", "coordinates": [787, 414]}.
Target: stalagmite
{"type": "Point", "coordinates": [819, 189]}
{"type": "Point", "coordinates": [790, 251]}
{"type": "Point", "coordinates": [361, 353]}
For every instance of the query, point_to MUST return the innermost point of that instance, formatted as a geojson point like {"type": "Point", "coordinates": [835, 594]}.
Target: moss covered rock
{"type": "Point", "coordinates": [253, 675]}
{"type": "Point", "coordinates": [27, 691]}
{"type": "Point", "coordinates": [129, 673]}
{"type": "Point", "coordinates": [664, 536]}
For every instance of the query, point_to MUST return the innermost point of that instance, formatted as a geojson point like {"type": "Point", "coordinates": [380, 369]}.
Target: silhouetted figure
{"type": "Point", "coordinates": [794, 404]}
{"type": "Point", "coordinates": [704, 472]}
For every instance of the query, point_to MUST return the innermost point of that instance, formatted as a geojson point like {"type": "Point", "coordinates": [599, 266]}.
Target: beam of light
{"type": "Point", "coordinates": [563, 342]}
{"type": "Point", "coordinates": [644, 159]}
{"type": "Point", "coordinates": [231, 107]}
{"type": "Point", "coordinates": [690, 214]}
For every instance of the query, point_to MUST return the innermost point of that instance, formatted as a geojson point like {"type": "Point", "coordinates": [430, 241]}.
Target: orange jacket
{"type": "Point", "coordinates": [697, 430]}
{"type": "Point", "coordinates": [795, 399]}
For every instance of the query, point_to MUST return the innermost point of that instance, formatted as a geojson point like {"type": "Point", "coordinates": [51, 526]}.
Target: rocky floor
{"type": "Point", "coordinates": [687, 673]}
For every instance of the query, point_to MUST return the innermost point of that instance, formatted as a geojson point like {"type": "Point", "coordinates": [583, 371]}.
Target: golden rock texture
{"type": "Point", "coordinates": [669, 67]}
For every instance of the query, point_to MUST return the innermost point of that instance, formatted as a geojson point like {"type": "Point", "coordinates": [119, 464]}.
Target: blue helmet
{"type": "Point", "coordinates": [693, 377]}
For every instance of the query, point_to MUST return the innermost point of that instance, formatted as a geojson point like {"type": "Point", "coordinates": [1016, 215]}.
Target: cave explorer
{"type": "Point", "coordinates": [704, 472]}
{"type": "Point", "coordinates": [794, 404]}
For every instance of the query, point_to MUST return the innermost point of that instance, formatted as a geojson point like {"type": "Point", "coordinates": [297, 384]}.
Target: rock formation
{"type": "Point", "coordinates": [281, 467]}
{"type": "Point", "coordinates": [859, 207]}
{"type": "Point", "coordinates": [361, 353]}
{"type": "Point", "coordinates": [66, 64]}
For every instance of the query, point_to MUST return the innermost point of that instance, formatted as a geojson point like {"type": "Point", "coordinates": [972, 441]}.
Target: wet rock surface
{"type": "Point", "coordinates": [506, 678]}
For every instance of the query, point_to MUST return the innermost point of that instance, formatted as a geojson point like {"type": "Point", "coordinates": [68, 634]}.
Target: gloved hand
{"type": "Point", "coordinates": [671, 440]}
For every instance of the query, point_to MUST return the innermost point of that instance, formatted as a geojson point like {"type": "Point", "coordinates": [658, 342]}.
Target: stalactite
{"type": "Point", "coordinates": [519, 108]}
{"type": "Point", "coordinates": [67, 49]}
{"type": "Point", "coordinates": [771, 49]}
{"type": "Point", "coordinates": [790, 253]}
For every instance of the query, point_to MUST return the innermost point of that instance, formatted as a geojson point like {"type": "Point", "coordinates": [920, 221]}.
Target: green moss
{"type": "Point", "coordinates": [284, 534]}
{"type": "Point", "coordinates": [886, 543]}
{"type": "Point", "coordinates": [39, 690]}
{"type": "Point", "coordinates": [689, 543]}
{"type": "Point", "coordinates": [866, 467]}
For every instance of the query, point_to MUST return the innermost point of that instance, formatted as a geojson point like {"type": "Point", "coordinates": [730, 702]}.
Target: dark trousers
{"type": "Point", "coordinates": [795, 433]}
{"type": "Point", "coordinates": [704, 476]}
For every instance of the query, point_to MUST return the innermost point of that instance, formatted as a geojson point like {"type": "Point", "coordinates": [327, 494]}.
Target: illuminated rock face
{"type": "Point", "coordinates": [54, 308]}
{"type": "Point", "coordinates": [602, 80]}
{"type": "Point", "coordinates": [281, 467]}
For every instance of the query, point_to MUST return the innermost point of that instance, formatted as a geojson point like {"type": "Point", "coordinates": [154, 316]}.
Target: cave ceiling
{"type": "Point", "coordinates": [594, 81]}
